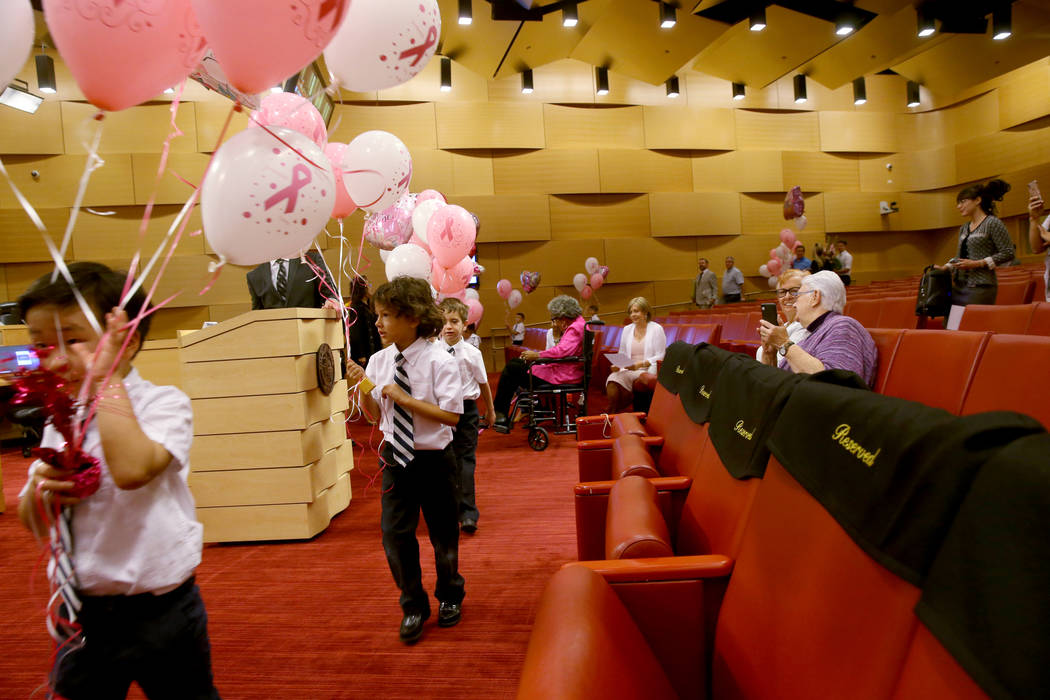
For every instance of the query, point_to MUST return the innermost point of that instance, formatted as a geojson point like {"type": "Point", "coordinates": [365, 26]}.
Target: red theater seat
{"type": "Point", "coordinates": [898, 312]}
{"type": "Point", "coordinates": [886, 342]}
{"type": "Point", "coordinates": [931, 672]}
{"type": "Point", "coordinates": [935, 367]}
{"type": "Point", "coordinates": [865, 311]}
{"type": "Point", "coordinates": [1015, 291]}
{"type": "Point", "coordinates": [1013, 375]}
{"type": "Point", "coordinates": [997, 318]}
{"type": "Point", "coordinates": [1040, 323]}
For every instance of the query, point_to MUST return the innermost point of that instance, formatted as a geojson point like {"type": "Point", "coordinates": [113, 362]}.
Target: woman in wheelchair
{"type": "Point", "coordinates": [567, 316]}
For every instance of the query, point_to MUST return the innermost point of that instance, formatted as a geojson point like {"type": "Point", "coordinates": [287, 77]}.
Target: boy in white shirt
{"type": "Point", "coordinates": [470, 334]}
{"type": "Point", "coordinates": [415, 387]}
{"type": "Point", "coordinates": [475, 384]}
{"type": "Point", "coordinates": [134, 612]}
{"type": "Point", "coordinates": [517, 330]}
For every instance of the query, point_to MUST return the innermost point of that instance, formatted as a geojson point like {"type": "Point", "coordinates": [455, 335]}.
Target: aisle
{"type": "Point", "coordinates": [319, 619]}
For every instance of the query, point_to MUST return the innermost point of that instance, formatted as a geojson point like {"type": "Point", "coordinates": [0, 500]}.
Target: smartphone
{"type": "Point", "coordinates": [1033, 190]}
{"type": "Point", "coordinates": [769, 313]}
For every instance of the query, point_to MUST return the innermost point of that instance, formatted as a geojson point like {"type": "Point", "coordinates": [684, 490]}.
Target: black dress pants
{"type": "Point", "coordinates": [514, 376]}
{"type": "Point", "coordinates": [428, 484]}
{"type": "Point", "coordinates": [465, 445]}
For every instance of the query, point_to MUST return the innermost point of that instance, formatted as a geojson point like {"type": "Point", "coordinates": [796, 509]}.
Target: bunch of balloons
{"type": "Point", "coordinates": [779, 258]}
{"type": "Point", "coordinates": [588, 284]}
{"type": "Point", "coordinates": [507, 292]}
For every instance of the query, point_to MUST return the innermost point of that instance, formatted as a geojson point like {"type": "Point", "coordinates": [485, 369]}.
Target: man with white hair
{"type": "Point", "coordinates": [835, 341]}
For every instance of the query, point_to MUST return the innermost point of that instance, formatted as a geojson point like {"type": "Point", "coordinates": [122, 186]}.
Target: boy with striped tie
{"type": "Point", "coordinates": [416, 389]}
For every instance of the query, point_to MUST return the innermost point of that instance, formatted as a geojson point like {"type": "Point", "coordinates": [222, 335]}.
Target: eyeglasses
{"type": "Point", "coordinates": [793, 292]}
{"type": "Point", "coordinates": [808, 291]}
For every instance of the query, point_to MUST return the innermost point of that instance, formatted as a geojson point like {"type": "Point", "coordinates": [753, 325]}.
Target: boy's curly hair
{"type": "Point", "coordinates": [410, 297]}
{"type": "Point", "coordinates": [455, 306]}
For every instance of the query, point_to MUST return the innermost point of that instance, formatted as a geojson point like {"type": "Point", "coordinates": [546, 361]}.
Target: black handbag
{"type": "Point", "coordinates": [935, 293]}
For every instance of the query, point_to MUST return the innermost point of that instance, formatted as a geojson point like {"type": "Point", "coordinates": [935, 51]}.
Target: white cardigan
{"type": "Point", "coordinates": [655, 343]}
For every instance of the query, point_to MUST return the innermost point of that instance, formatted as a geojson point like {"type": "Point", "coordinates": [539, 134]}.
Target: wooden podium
{"type": "Point", "coordinates": [270, 457]}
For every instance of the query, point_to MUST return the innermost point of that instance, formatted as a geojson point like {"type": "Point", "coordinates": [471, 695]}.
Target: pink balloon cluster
{"type": "Point", "coordinates": [779, 257]}
{"type": "Point", "coordinates": [588, 284]}
{"type": "Point", "coordinates": [508, 293]}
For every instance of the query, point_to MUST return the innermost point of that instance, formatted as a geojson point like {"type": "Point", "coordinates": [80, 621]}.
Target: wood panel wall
{"type": "Point", "coordinates": [558, 176]}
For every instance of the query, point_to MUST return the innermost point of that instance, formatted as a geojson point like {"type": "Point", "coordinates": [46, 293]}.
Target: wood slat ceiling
{"type": "Point", "coordinates": [625, 36]}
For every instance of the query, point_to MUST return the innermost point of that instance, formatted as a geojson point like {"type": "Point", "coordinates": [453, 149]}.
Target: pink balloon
{"type": "Point", "coordinates": [787, 237]}
{"type": "Point", "coordinates": [452, 280]}
{"type": "Point", "coordinates": [450, 233]}
{"type": "Point", "coordinates": [262, 200]}
{"type": "Point", "coordinates": [426, 195]}
{"type": "Point", "coordinates": [377, 168]}
{"type": "Point", "coordinates": [597, 281]}
{"type": "Point", "coordinates": [586, 292]}
{"type": "Point", "coordinates": [124, 53]}
{"type": "Point", "coordinates": [344, 206]}
{"type": "Point", "coordinates": [384, 43]}
{"type": "Point", "coordinates": [503, 288]}
{"type": "Point", "coordinates": [603, 270]}
{"type": "Point", "coordinates": [774, 253]}
{"type": "Point", "coordinates": [16, 38]}
{"type": "Point", "coordinates": [474, 310]}
{"type": "Point", "coordinates": [260, 44]}
{"type": "Point", "coordinates": [292, 112]}
{"type": "Point", "coordinates": [773, 266]}
{"type": "Point", "coordinates": [514, 300]}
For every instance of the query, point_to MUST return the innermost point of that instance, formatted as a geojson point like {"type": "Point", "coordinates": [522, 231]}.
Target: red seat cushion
{"type": "Point", "coordinates": [1013, 375]}
{"type": "Point", "coordinates": [1040, 323]}
{"type": "Point", "coordinates": [997, 318]}
{"type": "Point", "coordinates": [935, 367]}
{"type": "Point", "coordinates": [635, 527]}
{"type": "Point", "coordinates": [886, 341]}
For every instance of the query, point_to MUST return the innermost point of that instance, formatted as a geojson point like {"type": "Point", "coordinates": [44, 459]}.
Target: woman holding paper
{"type": "Point", "coordinates": [642, 345]}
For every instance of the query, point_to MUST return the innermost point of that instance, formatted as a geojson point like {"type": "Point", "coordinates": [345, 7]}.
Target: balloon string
{"type": "Point", "coordinates": [94, 162]}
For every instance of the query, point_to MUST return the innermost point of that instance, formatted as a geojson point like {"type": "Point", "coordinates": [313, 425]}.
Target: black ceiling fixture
{"type": "Point", "coordinates": [513, 11]}
{"type": "Point", "coordinates": [733, 11]}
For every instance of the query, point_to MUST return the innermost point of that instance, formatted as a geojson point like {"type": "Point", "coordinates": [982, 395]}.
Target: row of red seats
{"type": "Point", "coordinates": [644, 620]}
{"type": "Point", "coordinates": [1023, 319]}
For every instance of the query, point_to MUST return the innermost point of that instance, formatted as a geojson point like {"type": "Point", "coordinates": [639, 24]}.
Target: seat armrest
{"type": "Point", "coordinates": [699, 566]}
{"type": "Point", "coordinates": [663, 483]}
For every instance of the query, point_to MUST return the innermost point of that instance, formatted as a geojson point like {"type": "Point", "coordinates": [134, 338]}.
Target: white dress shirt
{"type": "Point", "coordinates": [475, 341]}
{"type": "Point", "coordinates": [273, 271]}
{"type": "Point", "coordinates": [846, 260]}
{"type": "Point", "coordinates": [433, 376]}
{"type": "Point", "coordinates": [472, 370]}
{"type": "Point", "coordinates": [127, 542]}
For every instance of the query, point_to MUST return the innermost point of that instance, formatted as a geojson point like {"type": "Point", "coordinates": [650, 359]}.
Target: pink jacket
{"type": "Point", "coordinates": [571, 343]}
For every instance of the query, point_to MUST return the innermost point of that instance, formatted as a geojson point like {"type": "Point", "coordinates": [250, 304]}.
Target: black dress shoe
{"type": "Point", "coordinates": [469, 526]}
{"type": "Point", "coordinates": [448, 614]}
{"type": "Point", "coordinates": [501, 426]}
{"type": "Point", "coordinates": [412, 627]}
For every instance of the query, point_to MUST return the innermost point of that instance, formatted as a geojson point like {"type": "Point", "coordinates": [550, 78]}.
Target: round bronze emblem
{"type": "Point", "coordinates": [325, 369]}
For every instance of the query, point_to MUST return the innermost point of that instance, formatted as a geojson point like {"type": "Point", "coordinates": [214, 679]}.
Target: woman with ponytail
{"type": "Point", "coordinates": [984, 244]}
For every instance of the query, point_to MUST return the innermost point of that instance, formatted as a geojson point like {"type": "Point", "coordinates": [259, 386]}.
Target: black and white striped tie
{"type": "Point", "coordinates": [64, 577]}
{"type": "Point", "coordinates": [452, 351]}
{"type": "Point", "coordinates": [403, 442]}
{"type": "Point", "coordinates": [282, 280]}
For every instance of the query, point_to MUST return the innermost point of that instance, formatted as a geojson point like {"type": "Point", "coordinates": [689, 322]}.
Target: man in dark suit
{"type": "Point", "coordinates": [281, 284]}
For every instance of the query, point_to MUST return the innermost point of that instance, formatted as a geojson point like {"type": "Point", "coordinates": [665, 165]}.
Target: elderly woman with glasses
{"type": "Point", "coordinates": [835, 341]}
{"type": "Point", "coordinates": [788, 286]}
{"type": "Point", "coordinates": [566, 318]}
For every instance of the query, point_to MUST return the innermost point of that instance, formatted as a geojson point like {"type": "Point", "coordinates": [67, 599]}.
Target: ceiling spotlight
{"type": "Point", "coordinates": [446, 74]}
{"type": "Point", "coordinates": [526, 82]}
{"type": "Point", "coordinates": [277, 88]}
{"type": "Point", "coordinates": [845, 24]}
{"type": "Point", "coordinates": [601, 80]}
{"type": "Point", "coordinates": [45, 73]}
{"type": "Point", "coordinates": [569, 15]}
{"type": "Point", "coordinates": [927, 27]}
{"type": "Point", "coordinates": [860, 91]}
{"type": "Point", "coordinates": [1002, 21]}
{"type": "Point", "coordinates": [672, 87]}
{"type": "Point", "coordinates": [19, 97]}
{"type": "Point", "coordinates": [668, 15]}
{"type": "Point", "coordinates": [800, 89]}
{"type": "Point", "coordinates": [466, 13]}
{"type": "Point", "coordinates": [913, 94]}
{"type": "Point", "coordinates": [739, 91]}
{"type": "Point", "coordinates": [757, 21]}
{"type": "Point", "coordinates": [169, 91]}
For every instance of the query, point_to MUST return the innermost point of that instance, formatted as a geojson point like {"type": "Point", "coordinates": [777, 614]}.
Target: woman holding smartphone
{"type": "Point", "coordinates": [788, 287]}
{"type": "Point", "coordinates": [1038, 236]}
{"type": "Point", "coordinates": [984, 244]}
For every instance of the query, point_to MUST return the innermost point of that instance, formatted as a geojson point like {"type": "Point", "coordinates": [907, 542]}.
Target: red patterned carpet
{"type": "Point", "coordinates": [319, 619]}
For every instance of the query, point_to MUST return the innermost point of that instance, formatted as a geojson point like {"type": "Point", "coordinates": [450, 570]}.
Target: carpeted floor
{"type": "Point", "coordinates": [319, 619]}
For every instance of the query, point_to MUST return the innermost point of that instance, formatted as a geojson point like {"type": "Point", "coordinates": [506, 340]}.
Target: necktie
{"type": "Point", "coordinates": [402, 442]}
{"type": "Point", "coordinates": [63, 577]}
{"type": "Point", "coordinates": [452, 351]}
{"type": "Point", "coordinates": [282, 280]}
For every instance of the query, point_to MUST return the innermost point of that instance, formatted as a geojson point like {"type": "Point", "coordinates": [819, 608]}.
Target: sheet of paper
{"type": "Point", "coordinates": [619, 360]}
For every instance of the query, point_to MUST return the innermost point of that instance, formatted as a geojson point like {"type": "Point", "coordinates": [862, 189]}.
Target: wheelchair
{"type": "Point", "coordinates": [550, 403]}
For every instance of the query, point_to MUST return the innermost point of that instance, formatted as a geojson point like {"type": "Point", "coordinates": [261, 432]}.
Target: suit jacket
{"type": "Point", "coordinates": [304, 289]}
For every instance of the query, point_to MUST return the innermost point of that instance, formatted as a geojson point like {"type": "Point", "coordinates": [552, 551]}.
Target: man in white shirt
{"type": "Point", "coordinates": [732, 283]}
{"type": "Point", "coordinates": [845, 259]}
